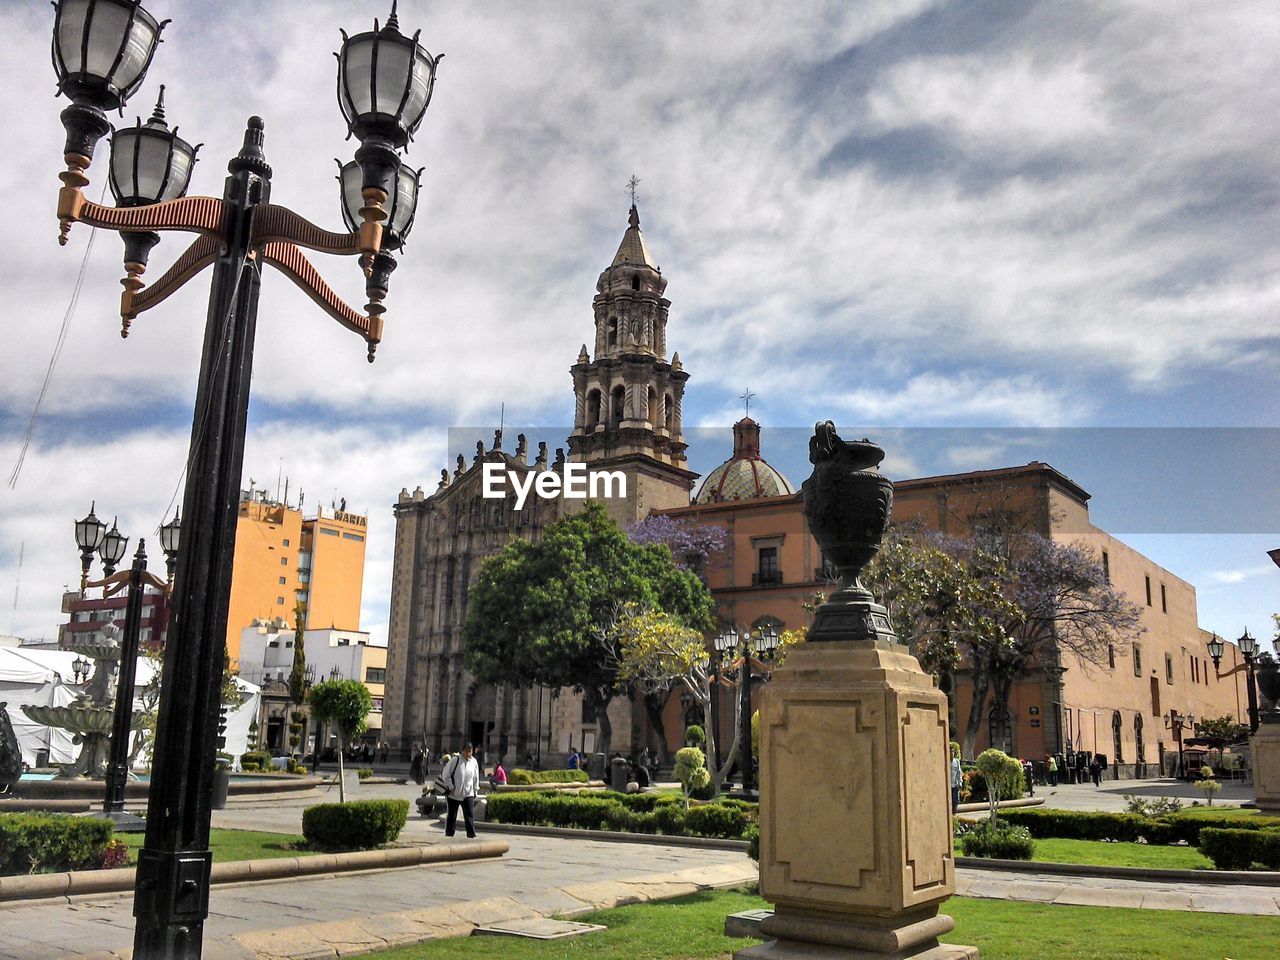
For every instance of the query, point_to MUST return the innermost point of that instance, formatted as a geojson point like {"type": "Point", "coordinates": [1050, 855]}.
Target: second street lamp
{"type": "Point", "coordinates": [89, 534]}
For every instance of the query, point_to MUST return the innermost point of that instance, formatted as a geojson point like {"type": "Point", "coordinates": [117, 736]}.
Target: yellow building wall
{"type": "Point", "coordinates": [333, 546]}
{"type": "Point", "coordinates": [264, 577]}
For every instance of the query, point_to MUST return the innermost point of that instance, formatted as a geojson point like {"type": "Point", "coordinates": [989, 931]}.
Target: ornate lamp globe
{"type": "Point", "coordinates": [385, 81]}
{"type": "Point", "coordinates": [150, 163]}
{"type": "Point", "coordinates": [725, 641]}
{"type": "Point", "coordinates": [90, 531]}
{"type": "Point", "coordinates": [1216, 648]}
{"type": "Point", "coordinates": [102, 48]}
{"type": "Point", "coordinates": [767, 641]}
{"type": "Point", "coordinates": [401, 205]}
{"type": "Point", "coordinates": [1248, 646]}
{"type": "Point", "coordinates": [112, 548]}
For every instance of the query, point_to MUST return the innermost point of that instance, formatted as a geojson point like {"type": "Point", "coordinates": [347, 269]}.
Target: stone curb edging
{"type": "Point", "coordinates": [340, 938]}
{"type": "Point", "coordinates": [45, 885]}
{"type": "Point", "coordinates": [1000, 805]}
{"type": "Point", "coordinates": [1259, 878]}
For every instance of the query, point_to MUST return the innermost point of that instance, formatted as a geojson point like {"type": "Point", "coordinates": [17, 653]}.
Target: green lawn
{"type": "Point", "coordinates": [1217, 812]}
{"type": "Point", "coordinates": [1094, 852]}
{"type": "Point", "coordinates": [230, 845]}
{"type": "Point", "coordinates": [690, 929]}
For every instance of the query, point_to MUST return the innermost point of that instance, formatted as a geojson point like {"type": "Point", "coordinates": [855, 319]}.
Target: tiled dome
{"type": "Point", "coordinates": [746, 475]}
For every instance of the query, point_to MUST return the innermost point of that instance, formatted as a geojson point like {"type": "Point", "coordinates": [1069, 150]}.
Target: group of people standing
{"type": "Point", "coordinates": [1076, 766]}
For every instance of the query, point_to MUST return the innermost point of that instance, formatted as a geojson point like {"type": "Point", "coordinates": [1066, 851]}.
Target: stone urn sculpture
{"type": "Point", "coordinates": [1268, 677]}
{"type": "Point", "coordinates": [855, 808]}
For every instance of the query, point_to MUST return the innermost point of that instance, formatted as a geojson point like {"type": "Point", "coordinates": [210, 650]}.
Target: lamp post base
{"type": "Point", "coordinates": [126, 822]}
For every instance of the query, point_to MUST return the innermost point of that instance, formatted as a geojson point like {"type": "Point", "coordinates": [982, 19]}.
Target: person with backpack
{"type": "Point", "coordinates": [461, 779]}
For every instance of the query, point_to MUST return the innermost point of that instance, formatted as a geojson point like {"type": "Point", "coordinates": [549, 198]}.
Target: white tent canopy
{"type": "Point", "coordinates": [40, 677]}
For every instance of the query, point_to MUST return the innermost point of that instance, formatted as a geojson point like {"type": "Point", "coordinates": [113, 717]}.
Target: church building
{"type": "Point", "coordinates": [627, 419]}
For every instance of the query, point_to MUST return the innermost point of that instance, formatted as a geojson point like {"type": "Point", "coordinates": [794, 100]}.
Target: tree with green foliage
{"type": "Point", "coordinates": [1225, 728]}
{"type": "Point", "coordinates": [550, 612]}
{"type": "Point", "coordinates": [345, 704]}
{"type": "Point", "coordinates": [691, 771]}
{"type": "Point", "coordinates": [1001, 773]}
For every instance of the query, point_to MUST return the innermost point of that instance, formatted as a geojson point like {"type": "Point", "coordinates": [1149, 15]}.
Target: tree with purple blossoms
{"type": "Point", "coordinates": [691, 544]}
{"type": "Point", "coordinates": [1065, 606]}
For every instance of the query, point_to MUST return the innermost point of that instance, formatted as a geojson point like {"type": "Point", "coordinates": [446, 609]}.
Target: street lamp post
{"type": "Point", "coordinates": [89, 534]}
{"type": "Point", "coordinates": [765, 642]}
{"type": "Point", "coordinates": [1249, 650]}
{"type": "Point", "coordinates": [1177, 723]}
{"type": "Point", "coordinates": [724, 641]}
{"type": "Point", "coordinates": [101, 51]}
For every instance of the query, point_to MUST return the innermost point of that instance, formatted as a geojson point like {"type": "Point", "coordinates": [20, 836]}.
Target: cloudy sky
{"type": "Point", "coordinates": [1006, 219]}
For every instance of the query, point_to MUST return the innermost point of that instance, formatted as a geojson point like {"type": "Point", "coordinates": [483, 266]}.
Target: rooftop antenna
{"type": "Point", "coordinates": [279, 477]}
{"type": "Point", "coordinates": [745, 397]}
{"type": "Point", "coordinates": [17, 587]}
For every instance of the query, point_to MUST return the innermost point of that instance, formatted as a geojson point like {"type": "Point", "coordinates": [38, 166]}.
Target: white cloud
{"type": "Point", "coordinates": [932, 398]}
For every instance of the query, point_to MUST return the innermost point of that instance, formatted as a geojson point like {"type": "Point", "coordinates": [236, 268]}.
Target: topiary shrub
{"type": "Point", "coordinates": [260, 759]}
{"type": "Point", "coordinates": [1241, 849]}
{"type": "Point", "coordinates": [51, 842]}
{"type": "Point", "coordinates": [691, 770]}
{"type": "Point", "coordinates": [359, 824]}
{"type": "Point", "coordinates": [999, 840]}
{"type": "Point", "coordinates": [364, 773]}
{"type": "Point", "coordinates": [1003, 778]}
{"type": "Point", "coordinates": [694, 735]}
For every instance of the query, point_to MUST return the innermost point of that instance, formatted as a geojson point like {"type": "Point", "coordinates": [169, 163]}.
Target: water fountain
{"type": "Point", "coordinates": [89, 717]}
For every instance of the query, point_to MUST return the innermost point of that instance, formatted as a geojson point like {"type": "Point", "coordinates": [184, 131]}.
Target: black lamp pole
{"type": "Point", "coordinates": [715, 704]}
{"type": "Point", "coordinates": [171, 898]}
{"type": "Point", "coordinates": [118, 759]}
{"type": "Point", "coordinates": [744, 721]}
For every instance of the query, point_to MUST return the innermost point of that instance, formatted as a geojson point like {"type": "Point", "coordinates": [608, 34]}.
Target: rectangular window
{"type": "Point", "coordinates": [768, 571]}
{"type": "Point", "coordinates": [280, 600]}
{"type": "Point", "coordinates": [375, 675]}
{"type": "Point", "coordinates": [1148, 580]}
{"type": "Point", "coordinates": [1137, 660]}
{"type": "Point", "coordinates": [274, 643]}
{"type": "Point", "coordinates": [328, 533]}
{"type": "Point", "coordinates": [1106, 567]}
{"type": "Point", "coordinates": [353, 536]}
{"type": "Point", "coordinates": [284, 561]}
{"type": "Point", "coordinates": [286, 541]}
{"type": "Point", "coordinates": [283, 581]}
{"type": "Point", "coordinates": [1164, 600]}
{"type": "Point", "coordinates": [377, 705]}
{"type": "Point", "coordinates": [1168, 668]}
{"type": "Point", "coordinates": [1195, 670]}
{"type": "Point", "coordinates": [1111, 655]}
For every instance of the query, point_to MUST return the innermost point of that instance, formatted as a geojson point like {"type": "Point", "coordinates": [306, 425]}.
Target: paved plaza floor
{"type": "Point", "coordinates": [318, 916]}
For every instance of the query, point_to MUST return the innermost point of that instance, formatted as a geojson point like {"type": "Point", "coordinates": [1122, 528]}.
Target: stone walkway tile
{"type": "Point", "coordinates": [1085, 896]}
{"type": "Point", "coordinates": [291, 943]}
{"type": "Point", "coordinates": [481, 912]}
{"type": "Point", "coordinates": [1165, 900]}
{"type": "Point", "coordinates": [604, 894]}
{"type": "Point", "coordinates": [987, 889]}
{"type": "Point", "coordinates": [551, 903]}
{"type": "Point", "coordinates": [347, 936]}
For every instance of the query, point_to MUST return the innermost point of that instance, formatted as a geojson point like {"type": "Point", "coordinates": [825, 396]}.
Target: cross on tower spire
{"type": "Point", "coordinates": [631, 187]}
{"type": "Point", "coordinates": [745, 397]}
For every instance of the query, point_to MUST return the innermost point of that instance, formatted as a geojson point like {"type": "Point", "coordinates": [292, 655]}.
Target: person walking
{"type": "Point", "coordinates": [572, 762]}
{"type": "Point", "coordinates": [417, 766]}
{"type": "Point", "coordinates": [462, 774]}
{"type": "Point", "coordinates": [1095, 772]}
{"type": "Point", "coordinates": [957, 777]}
{"type": "Point", "coordinates": [1051, 767]}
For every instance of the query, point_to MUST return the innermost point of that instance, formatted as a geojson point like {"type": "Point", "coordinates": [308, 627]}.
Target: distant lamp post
{"type": "Point", "coordinates": [80, 666]}
{"type": "Point", "coordinates": [170, 539]}
{"type": "Point", "coordinates": [335, 673]}
{"type": "Point", "coordinates": [89, 534]}
{"type": "Point", "coordinates": [765, 643]}
{"type": "Point", "coordinates": [724, 642]}
{"type": "Point", "coordinates": [1176, 722]}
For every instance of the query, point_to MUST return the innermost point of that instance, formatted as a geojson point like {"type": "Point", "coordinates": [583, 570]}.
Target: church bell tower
{"type": "Point", "coordinates": [627, 400]}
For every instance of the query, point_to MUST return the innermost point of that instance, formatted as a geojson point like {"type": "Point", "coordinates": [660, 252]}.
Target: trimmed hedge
{"type": "Point", "coordinates": [261, 757]}
{"type": "Point", "coordinates": [1128, 827]}
{"type": "Point", "coordinates": [998, 840]}
{"type": "Point", "coordinates": [1240, 849]}
{"type": "Point", "coordinates": [631, 813]}
{"type": "Point", "coordinates": [357, 825]}
{"type": "Point", "coordinates": [522, 778]}
{"type": "Point", "coordinates": [51, 843]}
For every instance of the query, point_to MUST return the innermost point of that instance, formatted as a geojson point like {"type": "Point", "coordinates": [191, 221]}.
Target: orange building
{"type": "Point", "coordinates": [1126, 709]}
{"type": "Point", "coordinates": [284, 559]}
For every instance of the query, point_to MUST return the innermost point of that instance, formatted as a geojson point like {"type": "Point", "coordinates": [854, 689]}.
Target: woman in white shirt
{"type": "Point", "coordinates": [462, 773]}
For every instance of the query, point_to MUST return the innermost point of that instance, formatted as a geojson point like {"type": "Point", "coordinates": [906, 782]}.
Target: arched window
{"type": "Point", "coordinates": [1000, 728]}
{"type": "Point", "coordinates": [669, 414]}
{"type": "Point", "coordinates": [652, 411]}
{"type": "Point", "coordinates": [613, 331]}
{"type": "Point", "coordinates": [619, 399]}
{"type": "Point", "coordinates": [1118, 757]}
{"type": "Point", "coordinates": [1139, 746]}
{"type": "Point", "coordinates": [635, 281]}
{"type": "Point", "coordinates": [593, 409]}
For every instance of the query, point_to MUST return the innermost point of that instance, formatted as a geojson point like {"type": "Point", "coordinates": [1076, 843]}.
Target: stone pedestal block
{"type": "Point", "coordinates": [855, 832]}
{"type": "Point", "coordinates": [1265, 745]}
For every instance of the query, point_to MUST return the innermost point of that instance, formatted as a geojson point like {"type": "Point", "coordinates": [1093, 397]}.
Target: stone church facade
{"type": "Point", "coordinates": [627, 419]}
